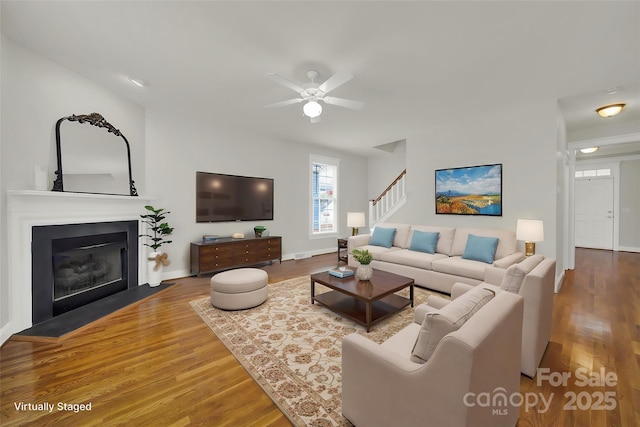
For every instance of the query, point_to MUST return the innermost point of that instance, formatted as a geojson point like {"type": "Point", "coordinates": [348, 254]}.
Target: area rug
{"type": "Point", "coordinates": [293, 349]}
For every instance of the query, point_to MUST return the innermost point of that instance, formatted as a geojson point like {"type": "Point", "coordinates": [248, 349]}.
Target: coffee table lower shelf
{"type": "Point", "coordinates": [356, 310]}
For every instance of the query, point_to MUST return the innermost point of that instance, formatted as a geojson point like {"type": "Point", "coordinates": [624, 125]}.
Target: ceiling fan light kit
{"type": "Point", "coordinates": [314, 93]}
{"type": "Point", "coordinates": [312, 109]}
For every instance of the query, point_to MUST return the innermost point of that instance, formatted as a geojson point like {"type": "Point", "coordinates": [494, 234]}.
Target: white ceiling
{"type": "Point", "coordinates": [416, 64]}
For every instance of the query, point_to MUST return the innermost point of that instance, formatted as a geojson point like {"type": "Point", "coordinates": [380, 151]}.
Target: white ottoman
{"type": "Point", "coordinates": [239, 289]}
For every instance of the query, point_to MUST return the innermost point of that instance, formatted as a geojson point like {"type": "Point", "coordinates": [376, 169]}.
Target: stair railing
{"type": "Point", "coordinates": [389, 201]}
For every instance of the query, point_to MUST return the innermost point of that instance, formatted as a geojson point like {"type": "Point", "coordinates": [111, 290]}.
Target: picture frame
{"type": "Point", "coordinates": [470, 190]}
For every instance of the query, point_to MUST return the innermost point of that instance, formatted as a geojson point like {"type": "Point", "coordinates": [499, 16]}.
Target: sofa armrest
{"type": "Point", "coordinates": [357, 241]}
{"type": "Point", "coordinates": [437, 302]}
{"type": "Point", "coordinates": [367, 356]}
{"type": "Point", "coordinates": [508, 260]}
{"type": "Point", "coordinates": [460, 288]}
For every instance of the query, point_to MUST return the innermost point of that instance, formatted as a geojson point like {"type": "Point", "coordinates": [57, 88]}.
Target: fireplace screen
{"type": "Point", "coordinates": [80, 269]}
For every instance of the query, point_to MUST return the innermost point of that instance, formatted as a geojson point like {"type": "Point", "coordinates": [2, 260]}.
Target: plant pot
{"type": "Point", "coordinates": [154, 269]}
{"type": "Point", "coordinates": [364, 272]}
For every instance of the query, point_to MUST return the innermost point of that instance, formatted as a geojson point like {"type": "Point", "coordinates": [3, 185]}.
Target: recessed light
{"type": "Point", "coordinates": [589, 150]}
{"type": "Point", "coordinates": [610, 110]}
{"type": "Point", "coordinates": [139, 82]}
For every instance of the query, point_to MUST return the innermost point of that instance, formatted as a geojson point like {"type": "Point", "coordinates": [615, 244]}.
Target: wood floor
{"type": "Point", "coordinates": [156, 363]}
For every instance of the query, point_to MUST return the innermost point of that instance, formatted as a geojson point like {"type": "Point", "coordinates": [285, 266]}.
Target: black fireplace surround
{"type": "Point", "coordinates": [76, 264]}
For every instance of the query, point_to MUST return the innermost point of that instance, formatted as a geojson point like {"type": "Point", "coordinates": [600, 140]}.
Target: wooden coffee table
{"type": "Point", "coordinates": [365, 302]}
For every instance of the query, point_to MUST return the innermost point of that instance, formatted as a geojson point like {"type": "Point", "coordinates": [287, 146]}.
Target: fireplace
{"type": "Point", "coordinates": [76, 264]}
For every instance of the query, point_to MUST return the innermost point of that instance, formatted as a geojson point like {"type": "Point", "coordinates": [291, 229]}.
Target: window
{"type": "Point", "coordinates": [324, 195]}
{"type": "Point", "coordinates": [593, 172]}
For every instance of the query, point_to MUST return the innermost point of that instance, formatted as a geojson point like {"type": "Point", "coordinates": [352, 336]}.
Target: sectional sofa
{"type": "Point", "coordinates": [437, 257]}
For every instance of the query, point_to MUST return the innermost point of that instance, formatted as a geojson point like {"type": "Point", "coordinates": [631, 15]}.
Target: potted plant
{"type": "Point", "coordinates": [157, 231]}
{"type": "Point", "coordinates": [364, 257]}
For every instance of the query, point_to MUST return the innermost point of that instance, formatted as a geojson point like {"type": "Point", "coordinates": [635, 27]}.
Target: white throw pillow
{"type": "Point", "coordinates": [516, 273]}
{"type": "Point", "coordinates": [448, 319]}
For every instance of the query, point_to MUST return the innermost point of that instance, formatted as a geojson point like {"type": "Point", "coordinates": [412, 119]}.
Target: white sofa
{"type": "Point", "coordinates": [536, 286]}
{"type": "Point", "coordinates": [383, 386]}
{"type": "Point", "coordinates": [440, 270]}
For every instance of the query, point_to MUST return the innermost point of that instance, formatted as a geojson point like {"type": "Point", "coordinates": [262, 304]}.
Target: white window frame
{"type": "Point", "coordinates": [329, 161]}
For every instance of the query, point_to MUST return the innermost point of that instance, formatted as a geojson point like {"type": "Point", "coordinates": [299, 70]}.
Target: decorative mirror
{"type": "Point", "coordinates": [94, 158]}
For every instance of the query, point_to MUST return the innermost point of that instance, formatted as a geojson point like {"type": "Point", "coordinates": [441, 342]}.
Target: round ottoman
{"type": "Point", "coordinates": [239, 289]}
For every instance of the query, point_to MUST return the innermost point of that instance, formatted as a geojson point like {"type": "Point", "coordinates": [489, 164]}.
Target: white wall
{"type": "Point", "coordinates": [4, 291]}
{"type": "Point", "coordinates": [35, 94]}
{"type": "Point", "coordinates": [39, 92]}
{"type": "Point", "coordinates": [629, 215]}
{"type": "Point", "coordinates": [522, 138]}
{"type": "Point", "coordinates": [562, 201]}
{"type": "Point", "coordinates": [179, 143]}
{"type": "Point", "coordinates": [384, 168]}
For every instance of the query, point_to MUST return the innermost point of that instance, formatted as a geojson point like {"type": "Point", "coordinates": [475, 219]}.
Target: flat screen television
{"type": "Point", "coordinates": [223, 198]}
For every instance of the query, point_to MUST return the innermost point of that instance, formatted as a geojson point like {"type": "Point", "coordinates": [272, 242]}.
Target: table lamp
{"type": "Point", "coordinates": [355, 220]}
{"type": "Point", "coordinates": [531, 231]}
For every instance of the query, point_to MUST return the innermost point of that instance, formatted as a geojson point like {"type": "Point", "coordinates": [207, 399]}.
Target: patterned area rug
{"type": "Point", "coordinates": [293, 349]}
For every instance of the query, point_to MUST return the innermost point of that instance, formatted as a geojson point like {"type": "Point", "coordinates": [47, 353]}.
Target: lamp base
{"type": "Point", "coordinates": [529, 248]}
{"type": "Point", "coordinates": [354, 231]}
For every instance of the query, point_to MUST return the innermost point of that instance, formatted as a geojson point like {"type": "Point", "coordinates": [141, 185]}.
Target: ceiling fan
{"type": "Point", "coordinates": [313, 93]}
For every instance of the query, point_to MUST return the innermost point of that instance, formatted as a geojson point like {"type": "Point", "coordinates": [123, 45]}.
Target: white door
{"type": "Point", "coordinates": [594, 212]}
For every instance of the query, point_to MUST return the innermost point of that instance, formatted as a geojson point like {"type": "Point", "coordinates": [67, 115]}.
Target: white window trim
{"type": "Point", "coordinates": [316, 158]}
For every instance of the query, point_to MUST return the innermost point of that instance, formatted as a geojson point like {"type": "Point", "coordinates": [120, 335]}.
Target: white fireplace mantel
{"type": "Point", "coordinates": [30, 208]}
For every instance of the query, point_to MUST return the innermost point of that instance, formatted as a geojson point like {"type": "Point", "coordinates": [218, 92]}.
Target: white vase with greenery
{"type": "Point", "coordinates": [157, 230]}
{"type": "Point", "coordinates": [364, 257]}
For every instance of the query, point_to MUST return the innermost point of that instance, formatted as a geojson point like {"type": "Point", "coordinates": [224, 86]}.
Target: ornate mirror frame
{"type": "Point", "coordinates": [96, 120]}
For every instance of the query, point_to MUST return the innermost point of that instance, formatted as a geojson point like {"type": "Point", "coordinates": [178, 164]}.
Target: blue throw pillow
{"type": "Point", "coordinates": [383, 237]}
{"type": "Point", "coordinates": [480, 248]}
{"type": "Point", "coordinates": [424, 241]}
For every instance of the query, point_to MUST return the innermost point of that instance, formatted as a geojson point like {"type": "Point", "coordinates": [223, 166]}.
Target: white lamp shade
{"type": "Point", "coordinates": [355, 219]}
{"type": "Point", "coordinates": [530, 230]}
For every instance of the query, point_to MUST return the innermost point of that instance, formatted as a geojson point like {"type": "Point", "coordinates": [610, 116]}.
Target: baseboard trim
{"type": "Point", "coordinates": [559, 280]}
{"type": "Point", "coordinates": [308, 254]}
{"type": "Point", "coordinates": [627, 249]}
{"type": "Point", "coordinates": [5, 333]}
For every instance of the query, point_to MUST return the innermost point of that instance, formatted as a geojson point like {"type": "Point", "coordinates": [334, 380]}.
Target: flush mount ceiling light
{"type": "Point", "coordinates": [610, 110]}
{"type": "Point", "coordinates": [589, 150]}
{"type": "Point", "coordinates": [139, 82]}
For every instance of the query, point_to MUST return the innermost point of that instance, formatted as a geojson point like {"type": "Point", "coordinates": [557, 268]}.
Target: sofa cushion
{"type": "Point", "coordinates": [514, 276]}
{"type": "Point", "coordinates": [480, 248]}
{"type": "Point", "coordinates": [424, 241]}
{"type": "Point", "coordinates": [446, 320]}
{"type": "Point", "coordinates": [410, 258]}
{"type": "Point", "coordinates": [457, 266]}
{"type": "Point", "coordinates": [401, 239]}
{"type": "Point", "coordinates": [383, 237]}
{"type": "Point", "coordinates": [506, 245]}
{"type": "Point", "coordinates": [445, 238]}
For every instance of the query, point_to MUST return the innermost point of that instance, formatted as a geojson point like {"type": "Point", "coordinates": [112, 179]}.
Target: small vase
{"type": "Point", "coordinates": [364, 272]}
{"type": "Point", "coordinates": [155, 274]}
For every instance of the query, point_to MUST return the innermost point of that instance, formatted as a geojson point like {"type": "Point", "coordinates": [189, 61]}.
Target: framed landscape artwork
{"type": "Point", "coordinates": [473, 190]}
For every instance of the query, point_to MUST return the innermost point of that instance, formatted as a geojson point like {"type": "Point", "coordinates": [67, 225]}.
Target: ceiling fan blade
{"type": "Point", "coordinates": [284, 103]}
{"type": "Point", "coordinates": [341, 102]}
{"type": "Point", "coordinates": [338, 79]}
{"type": "Point", "coordinates": [288, 83]}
